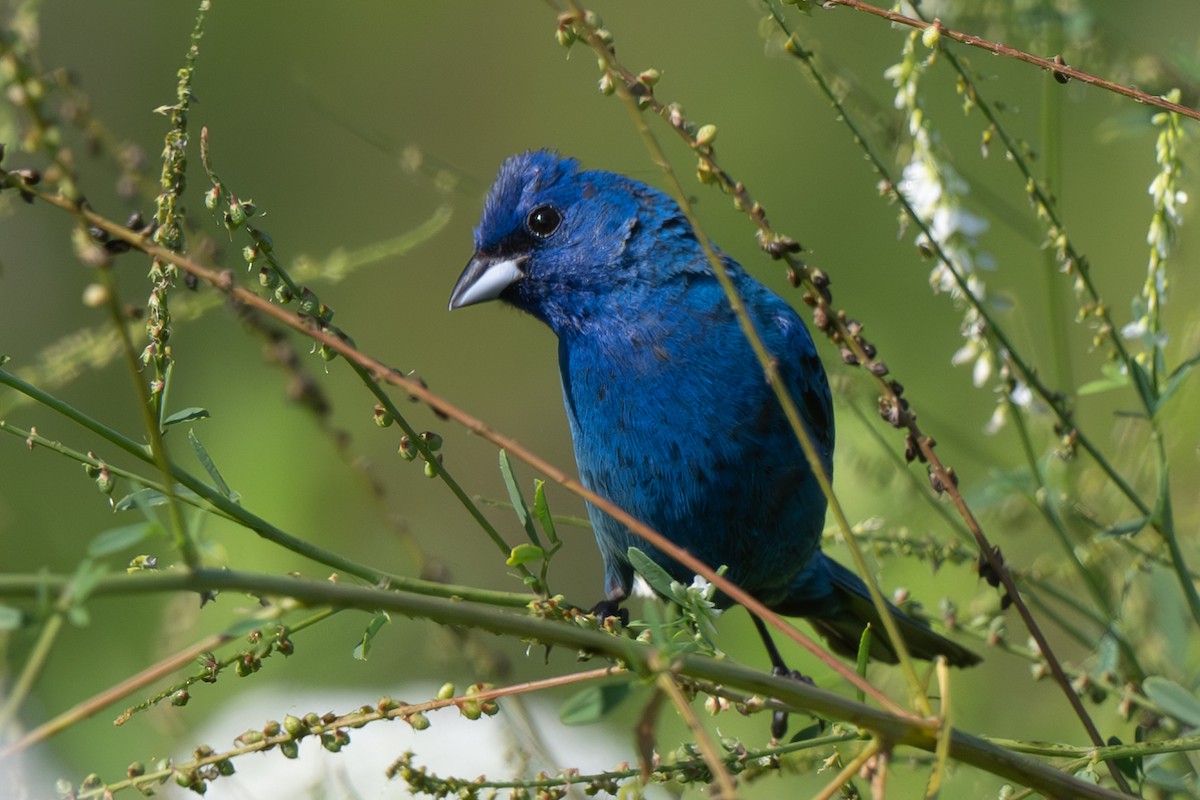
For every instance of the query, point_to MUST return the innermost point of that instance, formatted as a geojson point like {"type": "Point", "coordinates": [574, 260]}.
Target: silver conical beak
{"type": "Point", "coordinates": [484, 278]}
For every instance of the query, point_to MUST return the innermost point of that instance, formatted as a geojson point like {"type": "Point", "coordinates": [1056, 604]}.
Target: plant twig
{"type": "Point", "coordinates": [1053, 65]}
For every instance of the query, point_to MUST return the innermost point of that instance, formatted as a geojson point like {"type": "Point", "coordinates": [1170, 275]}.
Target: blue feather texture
{"type": "Point", "coordinates": [671, 415]}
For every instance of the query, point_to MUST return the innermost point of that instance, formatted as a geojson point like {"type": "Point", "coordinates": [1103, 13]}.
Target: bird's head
{"type": "Point", "coordinates": [561, 243]}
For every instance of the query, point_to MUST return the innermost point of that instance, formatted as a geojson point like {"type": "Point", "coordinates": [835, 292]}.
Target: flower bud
{"type": "Point", "coordinates": [105, 481]}
{"type": "Point", "coordinates": [294, 726]}
{"type": "Point", "coordinates": [383, 417]}
{"type": "Point", "coordinates": [706, 135]}
{"type": "Point", "coordinates": [235, 215]}
{"type": "Point", "coordinates": [408, 450]}
{"type": "Point", "coordinates": [309, 305]}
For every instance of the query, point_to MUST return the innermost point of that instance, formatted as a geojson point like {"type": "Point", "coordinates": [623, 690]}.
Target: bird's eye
{"type": "Point", "coordinates": [543, 221]}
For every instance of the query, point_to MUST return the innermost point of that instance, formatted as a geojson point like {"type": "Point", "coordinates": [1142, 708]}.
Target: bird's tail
{"type": "Point", "coordinates": [843, 629]}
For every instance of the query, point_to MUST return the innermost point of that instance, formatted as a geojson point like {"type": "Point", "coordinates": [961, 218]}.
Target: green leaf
{"type": "Point", "coordinates": [518, 500]}
{"type": "Point", "coordinates": [142, 498]}
{"type": "Point", "coordinates": [1162, 771]}
{"type": "Point", "coordinates": [10, 618]}
{"type": "Point", "coordinates": [1124, 528]}
{"type": "Point", "coordinates": [1175, 381]}
{"type": "Point", "coordinates": [363, 649]}
{"type": "Point", "coordinates": [209, 466]}
{"type": "Point", "coordinates": [864, 656]}
{"type": "Point", "coordinates": [186, 415]}
{"type": "Point", "coordinates": [1173, 699]}
{"type": "Point", "coordinates": [593, 703]}
{"type": "Point", "coordinates": [654, 575]}
{"type": "Point", "coordinates": [541, 510]}
{"type": "Point", "coordinates": [1145, 385]}
{"type": "Point", "coordinates": [86, 576]}
{"type": "Point", "coordinates": [149, 498]}
{"type": "Point", "coordinates": [115, 540]}
{"type": "Point", "coordinates": [524, 554]}
{"type": "Point", "coordinates": [1114, 378]}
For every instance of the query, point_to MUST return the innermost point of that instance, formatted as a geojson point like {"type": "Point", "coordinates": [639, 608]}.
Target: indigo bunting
{"type": "Point", "coordinates": [671, 415]}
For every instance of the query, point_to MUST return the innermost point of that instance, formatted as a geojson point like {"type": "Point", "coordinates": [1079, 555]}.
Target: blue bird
{"type": "Point", "coordinates": [671, 416]}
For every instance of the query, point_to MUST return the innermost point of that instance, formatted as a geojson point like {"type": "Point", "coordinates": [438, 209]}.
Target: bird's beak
{"type": "Point", "coordinates": [484, 279]}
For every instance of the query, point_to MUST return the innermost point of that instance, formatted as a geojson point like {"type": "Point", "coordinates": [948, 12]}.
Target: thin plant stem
{"type": "Point", "coordinates": [223, 281]}
{"type": "Point", "coordinates": [895, 728]}
{"type": "Point", "coordinates": [151, 420]}
{"type": "Point", "coordinates": [768, 361]}
{"type": "Point", "coordinates": [255, 523]}
{"type": "Point", "coordinates": [998, 48]}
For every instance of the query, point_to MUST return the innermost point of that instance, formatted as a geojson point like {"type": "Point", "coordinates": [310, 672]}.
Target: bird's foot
{"type": "Point", "coordinates": [611, 608]}
{"type": "Point", "coordinates": [779, 720]}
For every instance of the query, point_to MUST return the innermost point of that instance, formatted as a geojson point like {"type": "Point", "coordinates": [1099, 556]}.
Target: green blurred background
{"type": "Point", "coordinates": [310, 108]}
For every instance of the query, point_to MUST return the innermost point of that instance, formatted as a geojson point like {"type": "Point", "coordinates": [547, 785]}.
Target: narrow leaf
{"type": "Point", "coordinates": [593, 703]}
{"type": "Point", "coordinates": [86, 576]}
{"type": "Point", "coordinates": [115, 540]}
{"type": "Point", "coordinates": [1174, 699]}
{"type": "Point", "coordinates": [1145, 385]}
{"type": "Point", "coordinates": [1115, 377]}
{"type": "Point", "coordinates": [363, 649]}
{"type": "Point", "coordinates": [524, 554]}
{"type": "Point", "coordinates": [209, 466]}
{"type": "Point", "coordinates": [1124, 528]}
{"type": "Point", "coordinates": [864, 655]}
{"type": "Point", "coordinates": [186, 415]}
{"type": "Point", "coordinates": [1175, 381]}
{"type": "Point", "coordinates": [142, 498]}
{"type": "Point", "coordinates": [541, 510]}
{"type": "Point", "coordinates": [654, 575]}
{"type": "Point", "coordinates": [518, 500]}
{"type": "Point", "coordinates": [149, 498]}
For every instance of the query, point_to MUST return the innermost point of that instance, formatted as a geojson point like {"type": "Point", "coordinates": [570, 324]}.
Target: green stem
{"type": "Point", "coordinates": [32, 668]}
{"type": "Point", "coordinates": [1166, 525]}
{"type": "Point", "coordinates": [1052, 93]}
{"type": "Point", "coordinates": [766, 359]}
{"type": "Point", "coordinates": [899, 730]}
{"type": "Point", "coordinates": [453, 485]}
{"type": "Point", "coordinates": [255, 523]}
{"type": "Point", "coordinates": [1090, 577]}
{"type": "Point", "coordinates": [151, 419]}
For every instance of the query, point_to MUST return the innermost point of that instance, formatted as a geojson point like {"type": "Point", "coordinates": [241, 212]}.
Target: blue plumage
{"type": "Point", "coordinates": [670, 413]}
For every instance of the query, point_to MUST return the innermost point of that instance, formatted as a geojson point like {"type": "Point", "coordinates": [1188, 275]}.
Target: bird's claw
{"type": "Point", "coordinates": [611, 608]}
{"type": "Point", "coordinates": [779, 720]}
